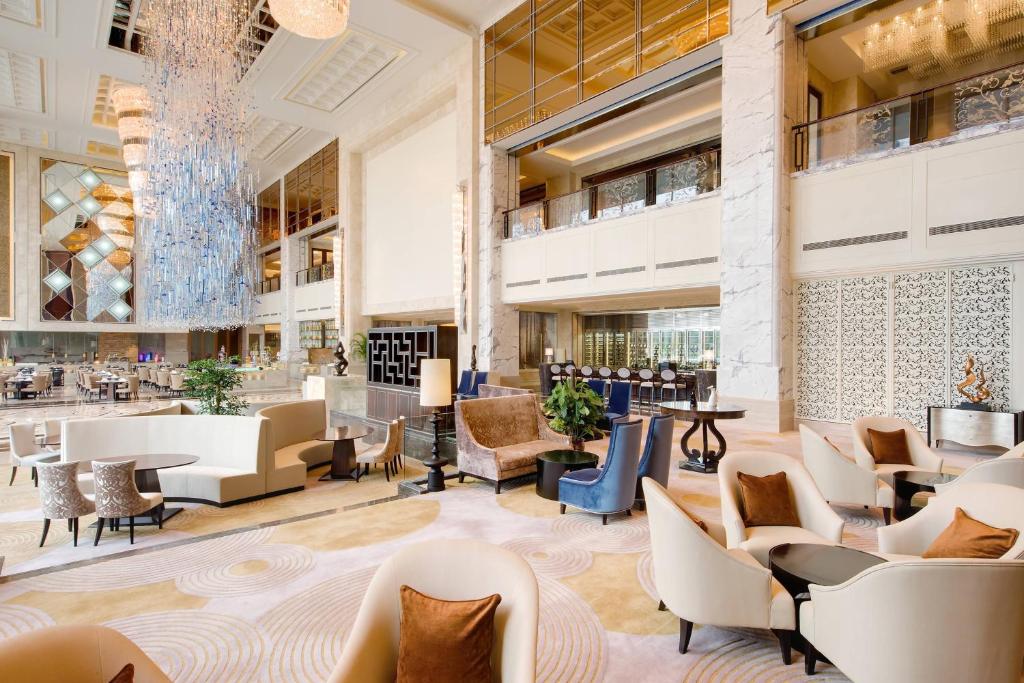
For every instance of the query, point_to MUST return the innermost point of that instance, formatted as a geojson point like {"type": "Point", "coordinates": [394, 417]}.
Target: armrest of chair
{"type": "Point", "coordinates": [822, 519]}
{"type": "Point", "coordinates": [716, 531]}
{"type": "Point", "coordinates": [921, 454]}
{"type": "Point", "coordinates": [732, 520]}
{"type": "Point", "coordinates": [909, 537]}
{"type": "Point", "coordinates": [861, 455]}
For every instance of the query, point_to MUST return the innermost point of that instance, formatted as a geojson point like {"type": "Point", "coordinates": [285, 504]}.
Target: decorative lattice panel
{"type": "Point", "coordinates": [979, 320]}
{"type": "Point", "coordinates": [817, 337]}
{"type": "Point", "coordinates": [394, 354]}
{"type": "Point", "coordinates": [864, 339]}
{"type": "Point", "coordinates": [920, 338]}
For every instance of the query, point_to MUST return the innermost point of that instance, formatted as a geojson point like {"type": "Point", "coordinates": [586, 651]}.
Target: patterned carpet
{"type": "Point", "coordinates": [268, 591]}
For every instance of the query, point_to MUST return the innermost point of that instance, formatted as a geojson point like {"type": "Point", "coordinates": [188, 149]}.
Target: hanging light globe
{"type": "Point", "coordinates": [320, 19]}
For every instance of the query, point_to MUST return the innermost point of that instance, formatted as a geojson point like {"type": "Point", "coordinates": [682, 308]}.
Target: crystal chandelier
{"type": "Point", "coordinates": [134, 111]}
{"type": "Point", "coordinates": [196, 241]}
{"type": "Point", "coordinates": [320, 19]}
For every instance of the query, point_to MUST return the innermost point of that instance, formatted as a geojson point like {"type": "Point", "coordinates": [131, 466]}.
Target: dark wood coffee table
{"type": "Point", "coordinates": [343, 458]}
{"type": "Point", "coordinates": [797, 565]}
{"type": "Point", "coordinates": [906, 483]}
{"type": "Point", "coordinates": [703, 417]}
{"type": "Point", "coordinates": [551, 465]}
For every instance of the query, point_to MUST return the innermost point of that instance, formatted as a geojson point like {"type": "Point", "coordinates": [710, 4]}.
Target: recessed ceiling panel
{"type": "Point", "coordinates": [268, 135]}
{"type": "Point", "coordinates": [103, 112]}
{"type": "Point", "coordinates": [21, 81]}
{"type": "Point", "coordinates": [26, 11]}
{"type": "Point", "coordinates": [96, 148]}
{"type": "Point", "coordinates": [35, 137]}
{"type": "Point", "coordinates": [355, 60]}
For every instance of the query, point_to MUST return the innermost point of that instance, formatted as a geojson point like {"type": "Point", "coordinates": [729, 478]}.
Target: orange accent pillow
{"type": "Point", "coordinates": [125, 675]}
{"type": "Point", "coordinates": [889, 448]}
{"type": "Point", "coordinates": [967, 537]}
{"type": "Point", "coordinates": [445, 640]}
{"type": "Point", "coordinates": [767, 500]}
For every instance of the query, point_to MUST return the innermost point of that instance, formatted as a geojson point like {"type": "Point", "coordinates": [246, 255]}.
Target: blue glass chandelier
{"type": "Point", "coordinates": [196, 240]}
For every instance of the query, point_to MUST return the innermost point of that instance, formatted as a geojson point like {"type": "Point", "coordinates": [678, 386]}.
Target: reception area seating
{"type": "Point", "coordinates": [60, 497]}
{"type": "Point", "coordinates": [610, 489]}
{"type": "Point", "coordinates": [818, 523]}
{"type": "Point", "coordinates": [294, 428]}
{"type": "Point", "coordinates": [499, 438]}
{"type": "Point", "coordinates": [24, 451]}
{"type": "Point", "coordinates": [920, 455]}
{"type": "Point", "coordinates": [1007, 469]}
{"type": "Point", "coordinates": [840, 479]}
{"type": "Point", "coordinates": [445, 570]}
{"type": "Point", "coordinates": [924, 620]}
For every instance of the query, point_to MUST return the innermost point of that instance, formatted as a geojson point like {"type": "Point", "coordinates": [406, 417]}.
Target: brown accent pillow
{"type": "Point", "coordinates": [889, 448]}
{"type": "Point", "coordinates": [967, 537]}
{"type": "Point", "coordinates": [125, 675]}
{"type": "Point", "coordinates": [767, 500]}
{"type": "Point", "coordinates": [445, 640]}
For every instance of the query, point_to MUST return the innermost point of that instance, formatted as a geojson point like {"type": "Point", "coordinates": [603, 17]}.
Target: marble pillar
{"type": "Point", "coordinates": [498, 323]}
{"type": "Point", "coordinates": [756, 326]}
{"type": "Point", "coordinates": [351, 228]}
{"type": "Point", "coordinates": [291, 261]}
{"type": "Point", "coordinates": [465, 245]}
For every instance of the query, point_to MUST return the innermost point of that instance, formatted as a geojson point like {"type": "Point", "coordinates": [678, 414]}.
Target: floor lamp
{"type": "Point", "coordinates": [435, 392]}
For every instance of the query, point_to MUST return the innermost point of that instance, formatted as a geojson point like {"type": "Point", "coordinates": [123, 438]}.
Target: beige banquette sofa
{"type": "Point", "coordinates": [499, 438]}
{"type": "Point", "coordinates": [294, 427]}
{"type": "Point", "coordinates": [234, 452]}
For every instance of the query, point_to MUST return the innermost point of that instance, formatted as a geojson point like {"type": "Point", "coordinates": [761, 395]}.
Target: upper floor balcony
{"type": "Point", "coordinates": [955, 110]}
{"type": "Point", "coordinates": [631, 194]}
{"type": "Point", "coordinates": [318, 273]}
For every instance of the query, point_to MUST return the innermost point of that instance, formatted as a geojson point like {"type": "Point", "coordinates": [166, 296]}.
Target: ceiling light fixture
{"type": "Point", "coordinates": [320, 19]}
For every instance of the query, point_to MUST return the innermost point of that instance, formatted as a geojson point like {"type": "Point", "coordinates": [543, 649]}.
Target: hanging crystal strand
{"type": "Point", "coordinates": [197, 241]}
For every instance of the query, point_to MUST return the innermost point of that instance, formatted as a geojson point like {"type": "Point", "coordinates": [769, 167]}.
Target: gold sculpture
{"type": "Point", "coordinates": [981, 391]}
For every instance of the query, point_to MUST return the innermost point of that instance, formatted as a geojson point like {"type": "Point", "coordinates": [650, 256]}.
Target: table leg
{"type": "Point", "coordinates": [692, 462]}
{"type": "Point", "coordinates": [902, 508]}
{"type": "Point", "coordinates": [704, 460]}
{"type": "Point", "coordinates": [343, 462]}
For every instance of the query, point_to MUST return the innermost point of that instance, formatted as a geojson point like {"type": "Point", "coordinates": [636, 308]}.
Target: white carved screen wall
{"type": "Point", "coordinates": [896, 343]}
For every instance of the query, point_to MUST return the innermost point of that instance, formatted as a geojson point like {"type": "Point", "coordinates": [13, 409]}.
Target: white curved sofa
{"type": "Point", "coordinates": [233, 451]}
{"type": "Point", "coordinates": [294, 427]}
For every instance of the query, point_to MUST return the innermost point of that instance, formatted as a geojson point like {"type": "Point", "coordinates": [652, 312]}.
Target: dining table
{"type": "Point", "coordinates": [343, 455]}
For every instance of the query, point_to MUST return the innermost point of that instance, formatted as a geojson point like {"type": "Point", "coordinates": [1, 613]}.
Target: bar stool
{"type": "Point", "coordinates": [586, 372]}
{"type": "Point", "coordinates": [645, 388]}
{"type": "Point", "coordinates": [668, 383]}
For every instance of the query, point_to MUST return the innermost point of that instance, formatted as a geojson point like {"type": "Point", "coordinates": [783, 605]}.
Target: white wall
{"type": "Point", "coordinates": [408, 234]}
{"type": "Point", "coordinates": [661, 248]}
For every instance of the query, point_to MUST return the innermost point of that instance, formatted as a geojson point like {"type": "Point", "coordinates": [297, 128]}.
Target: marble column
{"type": "Point", "coordinates": [466, 244]}
{"type": "Point", "coordinates": [756, 327]}
{"type": "Point", "coordinates": [350, 225]}
{"type": "Point", "coordinates": [498, 323]}
{"type": "Point", "coordinates": [291, 261]}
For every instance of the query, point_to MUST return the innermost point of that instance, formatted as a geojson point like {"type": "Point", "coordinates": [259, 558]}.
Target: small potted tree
{"type": "Point", "coordinates": [211, 384]}
{"type": "Point", "coordinates": [575, 410]}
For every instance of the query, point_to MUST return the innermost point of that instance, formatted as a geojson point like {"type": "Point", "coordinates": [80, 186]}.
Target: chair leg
{"type": "Point", "coordinates": [561, 508]}
{"type": "Point", "coordinates": [131, 530]}
{"type": "Point", "coordinates": [35, 478]}
{"type": "Point", "coordinates": [74, 531]}
{"type": "Point", "coordinates": [497, 487]}
{"type": "Point", "coordinates": [462, 478]}
{"type": "Point", "coordinates": [661, 606]}
{"type": "Point", "coordinates": [887, 515]}
{"type": "Point", "coordinates": [604, 520]}
{"type": "Point", "coordinates": [46, 528]}
{"type": "Point", "coordinates": [387, 472]}
{"type": "Point", "coordinates": [785, 644]}
{"type": "Point", "coordinates": [629, 513]}
{"type": "Point", "coordinates": [810, 657]}
{"type": "Point", "coordinates": [14, 470]}
{"type": "Point", "coordinates": [685, 631]}
{"type": "Point", "coordinates": [69, 525]}
{"type": "Point", "coordinates": [99, 530]}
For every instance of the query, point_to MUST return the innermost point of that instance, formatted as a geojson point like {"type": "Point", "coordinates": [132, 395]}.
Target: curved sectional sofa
{"type": "Point", "coordinates": [294, 428]}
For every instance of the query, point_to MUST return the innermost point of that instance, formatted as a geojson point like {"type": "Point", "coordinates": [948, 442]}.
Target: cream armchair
{"type": "Point", "coordinates": [818, 522]}
{"type": "Point", "coordinates": [994, 504]}
{"type": "Point", "coordinates": [1002, 470]}
{"type": "Point", "coordinates": [701, 582]}
{"type": "Point", "coordinates": [923, 457]}
{"type": "Point", "coordinates": [840, 479]}
{"type": "Point", "coordinates": [84, 654]}
{"type": "Point", "coordinates": [448, 570]}
{"type": "Point", "coordinates": [941, 621]}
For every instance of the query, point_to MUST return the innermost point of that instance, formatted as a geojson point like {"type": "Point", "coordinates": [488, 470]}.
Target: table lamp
{"type": "Point", "coordinates": [435, 392]}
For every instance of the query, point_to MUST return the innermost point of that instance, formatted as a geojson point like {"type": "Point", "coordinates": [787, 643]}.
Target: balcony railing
{"type": "Point", "coordinates": [314, 274]}
{"type": "Point", "coordinates": [269, 285]}
{"type": "Point", "coordinates": [620, 197]}
{"type": "Point", "coordinates": [987, 98]}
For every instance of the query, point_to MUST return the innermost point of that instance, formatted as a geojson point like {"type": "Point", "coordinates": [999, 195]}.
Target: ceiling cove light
{"type": "Point", "coordinates": [320, 19]}
{"type": "Point", "coordinates": [196, 241]}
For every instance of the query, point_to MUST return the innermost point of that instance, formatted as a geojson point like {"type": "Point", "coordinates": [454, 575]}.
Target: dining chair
{"type": "Point", "coordinates": [117, 496]}
{"type": "Point", "coordinates": [177, 386]}
{"type": "Point", "coordinates": [51, 432]}
{"type": "Point", "coordinates": [60, 497]}
{"type": "Point", "coordinates": [92, 386]}
{"type": "Point", "coordinates": [597, 386]}
{"type": "Point", "coordinates": [131, 389]}
{"type": "Point", "coordinates": [618, 401]}
{"type": "Point", "coordinates": [386, 453]}
{"type": "Point", "coordinates": [24, 450]}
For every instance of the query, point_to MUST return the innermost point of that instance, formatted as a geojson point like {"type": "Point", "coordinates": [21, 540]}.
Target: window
{"type": "Point", "coordinates": [311, 190]}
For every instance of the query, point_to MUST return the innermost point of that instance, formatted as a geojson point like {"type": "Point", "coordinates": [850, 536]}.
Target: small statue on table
{"type": "Point", "coordinates": [975, 397]}
{"type": "Point", "coordinates": [342, 365]}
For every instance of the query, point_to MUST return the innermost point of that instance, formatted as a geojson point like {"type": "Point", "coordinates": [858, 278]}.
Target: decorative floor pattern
{"type": "Point", "coordinates": [244, 594]}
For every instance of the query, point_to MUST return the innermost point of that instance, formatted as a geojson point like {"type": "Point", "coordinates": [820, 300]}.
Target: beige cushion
{"type": "Point", "coordinates": [761, 539]}
{"type": "Point", "coordinates": [312, 453]}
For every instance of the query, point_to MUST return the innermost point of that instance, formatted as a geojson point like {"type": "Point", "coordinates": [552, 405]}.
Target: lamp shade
{"type": "Point", "coordinates": [435, 382]}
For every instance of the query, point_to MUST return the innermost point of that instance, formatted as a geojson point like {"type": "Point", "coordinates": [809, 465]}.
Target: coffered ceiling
{"type": "Point", "coordinates": [60, 59]}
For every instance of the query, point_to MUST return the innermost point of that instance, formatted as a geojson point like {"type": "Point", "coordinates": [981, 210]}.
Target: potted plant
{"type": "Point", "coordinates": [575, 410]}
{"type": "Point", "coordinates": [211, 383]}
{"type": "Point", "coordinates": [359, 346]}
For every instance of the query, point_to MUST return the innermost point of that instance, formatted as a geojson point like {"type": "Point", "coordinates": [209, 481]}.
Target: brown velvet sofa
{"type": "Point", "coordinates": [499, 438]}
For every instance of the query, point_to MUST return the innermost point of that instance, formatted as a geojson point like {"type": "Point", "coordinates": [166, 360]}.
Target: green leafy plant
{"type": "Point", "coordinates": [575, 410]}
{"type": "Point", "coordinates": [359, 346]}
{"type": "Point", "coordinates": [211, 383]}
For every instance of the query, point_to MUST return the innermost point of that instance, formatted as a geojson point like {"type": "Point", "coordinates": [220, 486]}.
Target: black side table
{"type": "Point", "coordinates": [551, 465]}
{"type": "Point", "coordinates": [906, 483]}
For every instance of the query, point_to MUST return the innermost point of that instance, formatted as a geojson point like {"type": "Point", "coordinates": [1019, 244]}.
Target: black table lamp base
{"type": "Point", "coordinates": [435, 478]}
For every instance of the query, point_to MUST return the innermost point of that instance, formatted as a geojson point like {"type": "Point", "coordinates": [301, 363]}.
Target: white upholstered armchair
{"type": "Point", "coordinates": [1006, 471]}
{"type": "Point", "coordinates": [840, 479]}
{"type": "Point", "coordinates": [922, 457]}
{"type": "Point", "coordinates": [701, 582]}
{"type": "Point", "coordinates": [994, 504]}
{"type": "Point", "coordinates": [447, 570]}
{"type": "Point", "coordinates": [818, 522]}
{"type": "Point", "coordinates": [941, 621]}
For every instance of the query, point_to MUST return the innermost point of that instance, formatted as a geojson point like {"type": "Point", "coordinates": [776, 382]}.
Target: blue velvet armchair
{"type": "Point", "coordinates": [657, 457]}
{"type": "Point", "coordinates": [611, 488]}
{"type": "Point", "coordinates": [618, 401]}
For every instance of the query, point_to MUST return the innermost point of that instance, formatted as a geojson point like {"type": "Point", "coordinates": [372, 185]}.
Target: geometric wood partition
{"type": "Point", "coordinates": [896, 343]}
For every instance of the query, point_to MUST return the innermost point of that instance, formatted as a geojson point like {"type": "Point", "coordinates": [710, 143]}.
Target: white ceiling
{"type": "Point", "coordinates": [56, 71]}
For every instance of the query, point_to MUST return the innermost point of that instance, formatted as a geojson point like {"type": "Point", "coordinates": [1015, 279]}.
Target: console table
{"type": "Point", "coordinates": [975, 427]}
